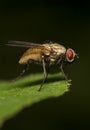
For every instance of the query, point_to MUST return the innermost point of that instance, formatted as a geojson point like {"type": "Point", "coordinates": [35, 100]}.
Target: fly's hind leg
{"type": "Point", "coordinates": [22, 73]}
{"type": "Point", "coordinates": [45, 74]}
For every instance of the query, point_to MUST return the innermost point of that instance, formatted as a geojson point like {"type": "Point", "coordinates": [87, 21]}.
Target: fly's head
{"type": "Point", "coordinates": [70, 55]}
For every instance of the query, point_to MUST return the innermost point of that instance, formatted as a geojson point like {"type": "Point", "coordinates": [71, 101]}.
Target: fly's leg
{"type": "Point", "coordinates": [45, 74]}
{"type": "Point", "coordinates": [62, 70]}
{"type": "Point", "coordinates": [22, 73]}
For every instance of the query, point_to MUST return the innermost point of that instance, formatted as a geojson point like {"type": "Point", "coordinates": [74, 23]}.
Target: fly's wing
{"type": "Point", "coordinates": [23, 44]}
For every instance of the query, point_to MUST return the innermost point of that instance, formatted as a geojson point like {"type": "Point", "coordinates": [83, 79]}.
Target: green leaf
{"type": "Point", "coordinates": [14, 96]}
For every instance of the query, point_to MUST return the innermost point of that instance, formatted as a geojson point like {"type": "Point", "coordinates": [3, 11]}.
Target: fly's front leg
{"type": "Point", "coordinates": [62, 70]}
{"type": "Point", "coordinates": [45, 74]}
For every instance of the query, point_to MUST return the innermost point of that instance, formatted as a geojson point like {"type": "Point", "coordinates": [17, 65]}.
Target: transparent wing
{"type": "Point", "coordinates": [23, 44]}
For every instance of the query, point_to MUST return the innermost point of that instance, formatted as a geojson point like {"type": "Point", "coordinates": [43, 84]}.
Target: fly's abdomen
{"type": "Point", "coordinates": [30, 58]}
{"type": "Point", "coordinates": [30, 55]}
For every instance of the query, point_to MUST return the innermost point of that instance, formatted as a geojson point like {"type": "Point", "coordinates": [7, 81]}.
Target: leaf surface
{"type": "Point", "coordinates": [14, 96]}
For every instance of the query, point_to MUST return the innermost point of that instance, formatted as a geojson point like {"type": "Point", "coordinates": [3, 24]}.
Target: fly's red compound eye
{"type": "Point", "coordinates": [70, 55]}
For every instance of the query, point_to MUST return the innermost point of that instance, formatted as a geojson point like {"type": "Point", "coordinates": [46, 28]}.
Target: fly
{"type": "Point", "coordinates": [47, 54]}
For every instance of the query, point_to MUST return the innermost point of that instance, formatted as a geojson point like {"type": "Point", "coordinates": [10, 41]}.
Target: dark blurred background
{"type": "Point", "coordinates": [63, 22]}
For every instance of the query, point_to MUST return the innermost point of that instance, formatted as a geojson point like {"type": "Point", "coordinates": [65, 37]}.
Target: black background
{"type": "Point", "coordinates": [37, 21]}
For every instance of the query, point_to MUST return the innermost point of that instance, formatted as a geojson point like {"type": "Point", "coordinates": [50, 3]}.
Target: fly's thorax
{"type": "Point", "coordinates": [56, 51]}
{"type": "Point", "coordinates": [55, 48]}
